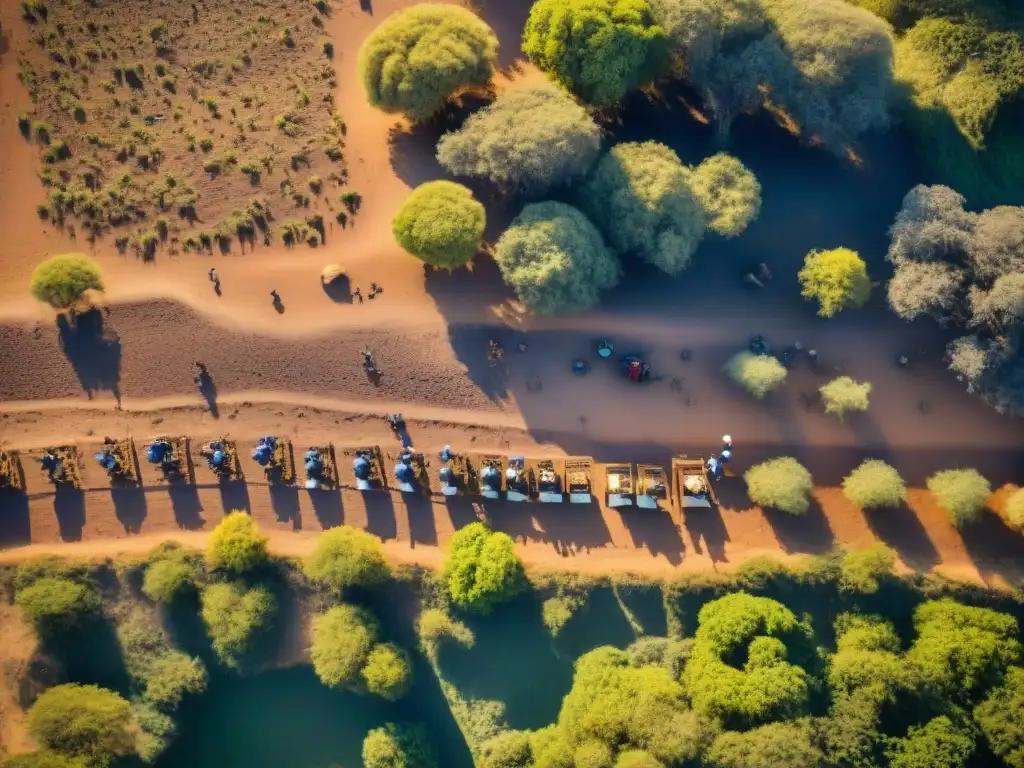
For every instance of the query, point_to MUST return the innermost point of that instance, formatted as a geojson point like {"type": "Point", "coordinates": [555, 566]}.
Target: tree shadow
{"type": "Point", "coordinates": [15, 521]}
{"type": "Point", "coordinates": [507, 19]}
{"type": "Point", "coordinates": [285, 501]}
{"type": "Point", "coordinates": [808, 533]}
{"type": "Point", "coordinates": [234, 496]}
{"type": "Point", "coordinates": [129, 506]}
{"type": "Point", "coordinates": [338, 290]}
{"type": "Point", "coordinates": [646, 605]}
{"type": "Point", "coordinates": [461, 511]}
{"type": "Point", "coordinates": [380, 514]}
{"type": "Point", "coordinates": [327, 507]}
{"type": "Point", "coordinates": [188, 509]}
{"type": "Point", "coordinates": [656, 531]}
{"type": "Point", "coordinates": [996, 548]}
{"type": "Point", "coordinates": [707, 531]}
{"type": "Point", "coordinates": [69, 507]}
{"type": "Point", "coordinates": [569, 528]}
{"type": "Point", "coordinates": [422, 528]}
{"type": "Point", "coordinates": [94, 353]}
{"type": "Point", "coordinates": [92, 655]}
{"type": "Point", "coordinates": [902, 530]}
{"type": "Point", "coordinates": [184, 622]}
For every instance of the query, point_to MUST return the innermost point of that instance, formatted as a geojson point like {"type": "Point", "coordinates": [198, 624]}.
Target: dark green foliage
{"type": "Point", "coordinates": [164, 675]}
{"type": "Point", "coordinates": [440, 223]}
{"type": "Point", "coordinates": [343, 638]}
{"type": "Point", "coordinates": [56, 606]}
{"type": "Point", "coordinates": [509, 749]}
{"type": "Point", "coordinates": [862, 569]}
{"type": "Point", "coordinates": [170, 576]}
{"type": "Point", "coordinates": [937, 744]}
{"type": "Point", "coordinates": [598, 49]}
{"type": "Point", "coordinates": [235, 616]}
{"type": "Point", "coordinates": [396, 746]}
{"type": "Point", "coordinates": [867, 656]}
{"type": "Point", "coordinates": [1001, 718]}
{"type": "Point", "coordinates": [43, 759]}
{"type": "Point", "coordinates": [83, 721]}
{"type": "Point", "coordinates": [61, 281]}
{"type": "Point", "coordinates": [482, 569]}
{"type": "Point", "coordinates": [347, 557]}
{"type": "Point", "coordinates": [776, 745]}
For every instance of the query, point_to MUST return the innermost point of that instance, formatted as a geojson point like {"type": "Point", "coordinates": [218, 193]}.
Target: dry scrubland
{"type": "Point", "coordinates": [185, 126]}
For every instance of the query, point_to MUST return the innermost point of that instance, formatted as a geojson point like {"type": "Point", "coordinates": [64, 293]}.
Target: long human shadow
{"type": "Point", "coordinates": [188, 509]}
{"type": "Point", "coordinates": [901, 529]}
{"type": "Point", "coordinates": [69, 507]}
{"type": "Point", "coordinates": [93, 351]}
{"type": "Point", "coordinates": [654, 530]}
{"type": "Point", "coordinates": [129, 507]}
{"type": "Point", "coordinates": [16, 521]}
{"type": "Point", "coordinates": [208, 391]}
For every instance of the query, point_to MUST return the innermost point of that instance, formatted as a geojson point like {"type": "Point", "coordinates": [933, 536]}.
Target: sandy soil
{"type": "Point", "coordinates": [296, 371]}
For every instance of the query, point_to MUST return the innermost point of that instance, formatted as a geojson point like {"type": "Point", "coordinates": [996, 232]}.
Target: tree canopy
{"type": "Point", "coordinates": [169, 577]}
{"type": "Point", "coordinates": [388, 672]}
{"type": "Point", "coordinates": [599, 49]}
{"type": "Point", "coordinates": [235, 616]}
{"type": "Point", "coordinates": [936, 744]}
{"type": "Point", "coordinates": [56, 606]}
{"type": "Point", "coordinates": [342, 640]}
{"type": "Point", "coordinates": [1015, 508]}
{"type": "Point", "coordinates": [1001, 718]}
{"type": "Point", "coordinates": [758, 374]}
{"type": "Point", "coordinates": [780, 483]}
{"type": "Point", "coordinates": [482, 568]}
{"type": "Point", "coordinates": [396, 746]}
{"type": "Point", "coordinates": [836, 279]}
{"type": "Point", "coordinates": [775, 745]}
{"type": "Point", "coordinates": [347, 557]}
{"type": "Point", "coordinates": [83, 721]}
{"type": "Point", "coordinates": [420, 57]}
{"type": "Point", "coordinates": [862, 569]}
{"type": "Point", "coordinates": [237, 545]}
{"type": "Point", "coordinates": [729, 193]}
{"type": "Point", "coordinates": [441, 224]}
{"type": "Point", "coordinates": [843, 395]}
{"type": "Point", "coordinates": [555, 260]}
{"type": "Point", "coordinates": [526, 141]}
{"type": "Point", "coordinates": [963, 492]}
{"type": "Point", "coordinates": [62, 280]}
{"type": "Point", "coordinates": [875, 484]}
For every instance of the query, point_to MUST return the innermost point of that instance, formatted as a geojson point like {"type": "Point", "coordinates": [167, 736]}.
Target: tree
{"type": "Point", "coordinates": [1002, 305]}
{"type": "Point", "coordinates": [482, 568]}
{"type": "Point", "coordinates": [758, 374]}
{"type": "Point", "coordinates": [342, 640]}
{"type": "Point", "coordinates": [420, 57]}
{"type": "Point", "coordinates": [843, 394]}
{"type": "Point", "coordinates": [61, 281]}
{"type": "Point", "coordinates": [639, 194]}
{"type": "Point", "coordinates": [509, 749]}
{"type": "Point", "coordinates": [936, 744]}
{"type": "Point", "coordinates": [234, 617]}
{"type": "Point", "coordinates": [729, 193]}
{"type": "Point", "coordinates": [441, 224]}
{"type": "Point", "coordinates": [43, 759]}
{"type": "Point", "coordinates": [637, 758]}
{"type": "Point", "coordinates": [1001, 718]}
{"type": "Point", "coordinates": [83, 721]}
{"type": "Point", "coordinates": [56, 606]}
{"type": "Point", "coordinates": [599, 49]}
{"type": "Point", "coordinates": [867, 658]}
{"type": "Point", "coordinates": [395, 746]}
{"type": "Point", "coordinates": [388, 672]}
{"type": "Point", "coordinates": [237, 545]}
{"type": "Point", "coordinates": [963, 492]}
{"type": "Point", "coordinates": [347, 557]}
{"type": "Point", "coordinates": [1015, 508]}
{"type": "Point", "coordinates": [924, 288]}
{"type": "Point", "coordinates": [780, 483]}
{"type": "Point", "coordinates": [874, 485]}
{"type": "Point", "coordinates": [776, 745]}
{"type": "Point", "coordinates": [862, 569]}
{"type": "Point", "coordinates": [526, 141]}
{"type": "Point", "coordinates": [168, 578]}
{"type": "Point", "coordinates": [836, 279]}
{"type": "Point", "coordinates": [555, 260]}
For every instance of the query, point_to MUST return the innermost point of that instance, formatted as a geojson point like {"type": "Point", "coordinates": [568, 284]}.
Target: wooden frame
{"type": "Point", "coordinates": [128, 460]}
{"type": "Point", "coordinates": [231, 470]}
{"type": "Point", "coordinates": [12, 476]}
{"type": "Point", "coordinates": [329, 478]}
{"type": "Point", "coordinates": [619, 487]}
{"type": "Point", "coordinates": [695, 470]}
{"type": "Point", "coordinates": [525, 487]}
{"type": "Point", "coordinates": [579, 479]}
{"type": "Point", "coordinates": [653, 487]}
{"type": "Point", "coordinates": [70, 463]}
{"type": "Point", "coordinates": [490, 460]}
{"type": "Point", "coordinates": [182, 464]}
{"type": "Point", "coordinates": [549, 492]}
{"type": "Point", "coordinates": [420, 467]}
{"type": "Point", "coordinates": [378, 477]}
{"type": "Point", "coordinates": [463, 469]}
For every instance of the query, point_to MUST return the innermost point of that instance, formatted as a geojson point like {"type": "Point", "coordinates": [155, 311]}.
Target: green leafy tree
{"type": "Point", "coordinates": [388, 672]}
{"type": "Point", "coordinates": [729, 193]}
{"type": "Point", "coordinates": [862, 569]}
{"type": "Point", "coordinates": [526, 141]}
{"type": "Point", "coordinates": [1001, 718]}
{"type": "Point", "coordinates": [435, 626]}
{"type": "Point", "coordinates": [396, 746]}
{"type": "Point", "coordinates": [836, 279]}
{"type": "Point", "coordinates": [936, 744]}
{"type": "Point", "coordinates": [56, 606]}
{"type": "Point", "coordinates": [767, 686]}
{"type": "Point", "coordinates": [347, 557]}
{"type": "Point", "coordinates": [758, 374]}
{"type": "Point", "coordinates": [639, 193]}
{"type": "Point", "coordinates": [963, 492]}
{"type": "Point", "coordinates": [342, 640]}
{"type": "Point", "coordinates": [776, 745]}
{"type": "Point", "coordinates": [441, 224]}
{"type": "Point", "coordinates": [867, 656]}
{"type": "Point", "coordinates": [83, 721]}
{"type": "Point", "coordinates": [874, 485]}
{"type": "Point", "coordinates": [62, 280]}
{"type": "Point", "coordinates": [843, 395]}
{"type": "Point", "coordinates": [637, 758]}
{"type": "Point", "coordinates": [1015, 508]}
{"type": "Point", "coordinates": [168, 578]}
{"type": "Point", "coordinates": [482, 569]}
{"type": "Point", "coordinates": [420, 57]}
{"type": "Point", "coordinates": [509, 749]}
{"type": "Point", "coordinates": [781, 483]}
{"type": "Point", "coordinates": [599, 49]}
{"type": "Point", "coordinates": [555, 260]}
{"type": "Point", "coordinates": [237, 545]}
{"type": "Point", "coordinates": [235, 617]}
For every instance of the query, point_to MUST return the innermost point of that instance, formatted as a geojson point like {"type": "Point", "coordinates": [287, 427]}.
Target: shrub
{"type": "Point", "coordinates": [599, 49]}
{"type": "Point", "coordinates": [1001, 718]}
{"type": "Point", "coordinates": [83, 721]}
{"type": "Point", "coordinates": [435, 625]}
{"type": "Point", "coordinates": [555, 260]}
{"type": "Point", "coordinates": [236, 544]}
{"type": "Point", "coordinates": [168, 578]}
{"type": "Point", "coordinates": [862, 569]}
{"type": "Point", "coordinates": [234, 617]}
{"type": "Point", "coordinates": [874, 484]}
{"type": "Point", "coordinates": [347, 557]}
{"type": "Point", "coordinates": [342, 640]}
{"type": "Point", "coordinates": [56, 606]}
{"type": "Point", "coordinates": [729, 193]}
{"type": "Point", "coordinates": [867, 657]}
{"type": "Point", "coordinates": [843, 394]}
{"type": "Point", "coordinates": [556, 612]}
{"type": "Point", "coordinates": [440, 223]}
{"type": "Point", "coordinates": [526, 141]}
{"type": "Point", "coordinates": [780, 483]}
{"type": "Point", "coordinates": [776, 745]}
{"type": "Point", "coordinates": [963, 492]}
{"type": "Point", "coordinates": [758, 374]}
{"type": "Point", "coordinates": [1015, 508]}
{"type": "Point", "coordinates": [61, 281]}
{"type": "Point", "coordinates": [418, 58]}
{"type": "Point", "coordinates": [509, 749]}
{"type": "Point", "coordinates": [388, 672]}
{"type": "Point", "coordinates": [398, 747]}
{"type": "Point", "coordinates": [640, 196]}
{"type": "Point", "coordinates": [482, 568]}
{"type": "Point", "coordinates": [836, 279]}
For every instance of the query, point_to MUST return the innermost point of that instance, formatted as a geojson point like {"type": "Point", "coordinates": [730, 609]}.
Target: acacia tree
{"type": "Point", "coordinates": [526, 141]}
{"type": "Point", "coordinates": [836, 279]}
{"type": "Point", "coordinates": [394, 746]}
{"type": "Point", "coordinates": [57, 606]}
{"type": "Point", "coordinates": [346, 557]}
{"type": "Point", "coordinates": [418, 58]}
{"type": "Point", "coordinates": [342, 640]}
{"type": "Point", "coordinates": [729, 193]}
{"type": "Point", "coordinates": [1001, 718]}
{"type": "Point", "coordinates": [599, 49]}
{"type": "Point", "coordinates": [875, 484]}
{"type": "Point", "coordinates": [235, 616]}
{"type": "Point", "coordinates": [555, 260]}
{"type": "Point", "coordinates": [236, 544]}
{"type": "Point", "coordinates": [781, 483]}
{"type": "Point", "coordinates": [963, 492]}
{"type": "Point", "coordinates": [61, 281]}
{"type": "Point", "coordinates": [83, 721]}
{"type": "Point", "coordinates": [440, 223]}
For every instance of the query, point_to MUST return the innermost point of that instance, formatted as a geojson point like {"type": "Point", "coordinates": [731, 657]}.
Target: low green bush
{"type": "Point", "coordinates": [862, 569]}
{"type": "Point", "coordinates": [169, 578]}
{"type": "Point", "coordinates": [61, 281]}
{"type": "Point", "coordinates": [836, 279]}
{"type": "Point", "coordinates": [388, 672]}
{"type": "Point", "coordinates": [482, 568]}
{"type": "Point", "coordinates": [57, 606]}
{"type": "Point", "coordinates": [343, 638]}
{"type": "Point", "coordinates": [874, 485]}
{"type": "Point", "coordinates": [347, 557]}
{"type": "Point", "coordinates": [781, 484]}
{"type": "Point", "coordinates": [962, 492]}
{"type": "Point", "coordinates": [236, 544]}
{"type": "Point", "coordinates": [440, 223]}
{"type": "Point", "coordinates": [843, 395]}
{"type": "Point", "coordinates": [758, 374]}
{"type": "Point", "coordinates": [235, 616]}
{"type": "Point", "coordinates": [83, 721]}
{"type": "Point", "coordinates": [396, 746]}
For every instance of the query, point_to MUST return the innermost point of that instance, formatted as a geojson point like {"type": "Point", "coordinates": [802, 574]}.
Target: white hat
{"type": "Point", "coordinates": [727, 439]}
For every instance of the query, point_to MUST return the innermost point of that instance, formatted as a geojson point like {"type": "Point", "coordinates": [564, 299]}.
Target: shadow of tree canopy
{"type": "Point", "coordinates": [93, 351]}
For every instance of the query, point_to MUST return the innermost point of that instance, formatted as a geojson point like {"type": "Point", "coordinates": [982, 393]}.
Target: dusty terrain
{"type": "Point", "coordinates": [295, 369]}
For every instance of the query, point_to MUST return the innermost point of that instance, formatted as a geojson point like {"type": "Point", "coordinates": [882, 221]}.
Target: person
{"type": "Point", "coordinates": [358, 294]}
{"type": "Point", "coordinates": [213, 276]}
{"type": "Point", "coordinates": [274, 295]}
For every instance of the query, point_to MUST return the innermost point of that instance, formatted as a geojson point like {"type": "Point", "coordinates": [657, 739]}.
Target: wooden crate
{"type": "Point", "coordinates": [549, 492]}
{"type": "Point", "coordinates": [618, 484]}
{"type": "Point", "coordinates": [127, 459]}
{"type": "Point", "coordinates": [483, 460]}
{"type": "Point", "coordinates": [231, 470]}
{"type": "Point", "coordinates": [70, 464]}
{"type": "Point", "coordinates": [12, 476]}
{"type": "Point", "coordinates": [653, 486]}
{"type": "Point", "coordinates": [579, 479]}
